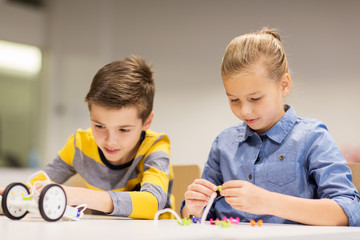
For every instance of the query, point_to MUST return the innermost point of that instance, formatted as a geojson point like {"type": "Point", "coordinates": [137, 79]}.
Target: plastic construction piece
{"type": "Point", "coordinates": [218, 195]}
{"type": "Point", "coordinates": [17, 202]}
{"type": "Point", "coordinates": [196, 219]}
{"type": "Point", "coordinates": [253, 223]}
{"type": "Point", "coordinates": [185, 221]}
{"type": "Point", "coordinates": [214, 222]}
{"type": "Point", "coordinates": [234, 220]}
{"type": "Point", "coordinates": [225, 224]}
{"type": "Point", "coordinates": [50, 202]}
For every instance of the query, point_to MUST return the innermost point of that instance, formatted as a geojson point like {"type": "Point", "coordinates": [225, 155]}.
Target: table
{"type": "Point", "coordinates": [92, 227]}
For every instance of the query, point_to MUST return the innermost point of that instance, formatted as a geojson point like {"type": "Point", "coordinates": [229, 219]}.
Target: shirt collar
{"type": "Point", "coordinates": [282, 128]}
{"type": "Point", "coordinates": [278, 132]}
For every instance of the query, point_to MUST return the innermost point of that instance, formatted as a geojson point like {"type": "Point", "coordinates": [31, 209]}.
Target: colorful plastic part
{"type": "Point", "coordinates": [234, 220]}
{"type": "Point", "coordinates": [225, 224]}
{"type": "Point", "coordinates": [185, 221]}
{"type": "Point", "coordinates": [252, 222]}
{"type": "Point", "coordinates": [196, 219]}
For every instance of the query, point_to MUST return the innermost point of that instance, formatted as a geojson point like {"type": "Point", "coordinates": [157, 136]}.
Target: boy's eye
{"type": "Point", "coordinates": [234, 100]}
{"type": "Point", "coordinates": [99, 126]}
{"type": "Point", "coordinates": [124, 130]}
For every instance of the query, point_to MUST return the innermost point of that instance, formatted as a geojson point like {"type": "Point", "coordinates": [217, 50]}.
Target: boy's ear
{"type": "Point", "coordinates": [285, 84]}
{"type": "Point", "coordinates": [148, 121]}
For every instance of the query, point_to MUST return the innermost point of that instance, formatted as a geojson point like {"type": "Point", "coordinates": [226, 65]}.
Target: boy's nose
{"type": "Point", "coordinates": [111, 138]}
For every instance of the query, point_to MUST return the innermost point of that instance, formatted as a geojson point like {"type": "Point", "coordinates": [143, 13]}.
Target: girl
{"type": "Point", "coordinates": [274, 166]}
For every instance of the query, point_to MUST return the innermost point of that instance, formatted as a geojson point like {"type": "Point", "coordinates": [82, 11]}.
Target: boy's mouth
{"type": "Point", "coordinates": [111, 151]}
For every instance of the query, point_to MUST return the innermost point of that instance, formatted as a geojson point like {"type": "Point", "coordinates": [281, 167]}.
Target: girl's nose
{"type": "Point", "coordinates": [245, 110]}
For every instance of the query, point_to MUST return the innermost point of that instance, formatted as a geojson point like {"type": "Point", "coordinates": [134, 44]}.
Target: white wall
{"type": "Point", "coordinates": [185, 41]}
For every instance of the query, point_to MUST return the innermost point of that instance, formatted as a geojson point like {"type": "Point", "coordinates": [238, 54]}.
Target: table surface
{"type": "Point", "coordinates": [109, 227]}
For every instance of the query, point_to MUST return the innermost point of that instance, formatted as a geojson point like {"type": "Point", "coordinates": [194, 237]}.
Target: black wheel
{"type": "Point", "coordinates": [12, 192]}
{"type": "Point", "coordinates": [52, 202]}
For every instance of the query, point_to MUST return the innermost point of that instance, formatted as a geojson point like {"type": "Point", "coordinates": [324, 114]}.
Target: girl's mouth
{"type": "Point", "coordinates": [250, 121]}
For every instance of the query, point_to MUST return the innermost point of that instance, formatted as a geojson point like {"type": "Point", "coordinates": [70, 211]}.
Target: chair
{"type": "Point", "coordinates": [75, 181]}
{"type": "Point", "coordinates": [184, 175]}
{"type": "Point", "coordinates": [355, 169]}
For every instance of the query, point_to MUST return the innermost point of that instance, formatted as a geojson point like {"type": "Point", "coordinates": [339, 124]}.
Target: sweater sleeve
{"type": "Point", "coordinates": [59, 169]}
{"type": "Point", "coordinates": [155, 174]}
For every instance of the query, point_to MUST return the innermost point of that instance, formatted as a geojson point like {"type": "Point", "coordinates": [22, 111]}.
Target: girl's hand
{"type": "Point", "coordinates": [198, 195]}
{"type": "Point", "coordinates": [245, 196]}
{"type": "Point", "coordinates": [1, 191]}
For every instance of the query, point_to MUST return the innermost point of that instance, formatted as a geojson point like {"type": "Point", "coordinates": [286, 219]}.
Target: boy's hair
{"type": "Point", "coordinates": [244, 51]}
{"type": "Point", "coordinates": [122, 84]}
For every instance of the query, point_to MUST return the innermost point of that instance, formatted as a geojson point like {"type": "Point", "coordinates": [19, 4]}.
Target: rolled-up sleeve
{"type": "Point", "coordinates": [333, 177]}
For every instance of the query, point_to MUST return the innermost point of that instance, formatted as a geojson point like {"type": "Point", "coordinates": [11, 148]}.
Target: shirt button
{"type": "Point", "coordinates": [250, 176]}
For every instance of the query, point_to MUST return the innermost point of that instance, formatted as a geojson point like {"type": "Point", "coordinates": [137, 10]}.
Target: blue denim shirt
{"type": "Point", "coordinates": [297, 157]}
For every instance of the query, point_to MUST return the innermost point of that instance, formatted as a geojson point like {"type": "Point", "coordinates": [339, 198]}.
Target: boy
{"type": "Point", "coordinates": [124, 164]}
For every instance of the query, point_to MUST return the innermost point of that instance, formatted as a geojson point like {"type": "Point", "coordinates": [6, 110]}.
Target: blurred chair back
{"type": "Point", "coordinates": [355, 169]}
{"type": "Point", "coordinates": [184, 175]}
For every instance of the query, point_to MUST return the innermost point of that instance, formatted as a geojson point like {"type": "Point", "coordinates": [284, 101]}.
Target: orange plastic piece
{"type": "Point", "coordinates": [260, 222]}
{"type": "Point", "coordinates": [252, 222]}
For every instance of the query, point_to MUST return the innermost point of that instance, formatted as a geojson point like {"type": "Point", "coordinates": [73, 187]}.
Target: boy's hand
{"type": "Point", "coordinates": [197, 196]}
{"type": "Point", "coordinates": [245, 196]}
{"type": "Point", "coordinates": [1, 190]}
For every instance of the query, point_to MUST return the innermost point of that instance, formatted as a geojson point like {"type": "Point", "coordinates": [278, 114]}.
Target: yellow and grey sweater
{"type": "Point", "coordinates": [138, 189]}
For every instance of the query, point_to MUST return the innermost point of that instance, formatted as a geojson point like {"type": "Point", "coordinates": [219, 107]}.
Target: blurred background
{"type": "Point", "coordinates": [62, 43]}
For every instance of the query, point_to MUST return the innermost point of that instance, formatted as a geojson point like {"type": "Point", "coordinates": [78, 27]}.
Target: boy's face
{"type": "Point", "coordinates": [256, 99]}
{"type": "Point", "coordinates": [117, 132]}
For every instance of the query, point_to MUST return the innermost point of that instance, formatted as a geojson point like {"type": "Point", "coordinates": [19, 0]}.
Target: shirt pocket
{"type": "Point", "coordinates": [281, 169]}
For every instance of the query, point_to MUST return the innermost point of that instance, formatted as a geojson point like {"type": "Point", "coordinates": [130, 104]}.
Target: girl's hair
{"type": "Point", "coordinates": [122, 84]}
{"type": "Point", "coordinates": [264, 47]}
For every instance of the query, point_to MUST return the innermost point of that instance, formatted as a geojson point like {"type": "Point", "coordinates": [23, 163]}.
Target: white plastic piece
{"type": "Point", "coordinates": [158, 213]}
{"type": "Point", "coordinates": [74, 213]}
{"type": "Point", "coordinates": [208, 206]}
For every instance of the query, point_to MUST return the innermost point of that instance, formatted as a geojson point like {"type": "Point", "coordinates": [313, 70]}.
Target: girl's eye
{"type": "Point", "coordinates": [124, 130]}
{"type": "Point", "coordinates": [234, 100]}
{"type": "Point", "coordinates": [99, 126]}
{"type": "Point", "coordinates": [255, 99]}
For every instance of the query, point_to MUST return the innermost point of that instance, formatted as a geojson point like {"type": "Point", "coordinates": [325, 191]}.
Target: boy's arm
{"type": "Point", "coordinates": [94, 199]}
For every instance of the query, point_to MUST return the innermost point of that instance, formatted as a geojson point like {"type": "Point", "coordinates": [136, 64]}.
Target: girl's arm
{"type": "Point", "coordinates": [247, 197]}
{"type": "Point", "coordinates": [197, 196]}
{"type": "Point", "coordinates": [308, 211]}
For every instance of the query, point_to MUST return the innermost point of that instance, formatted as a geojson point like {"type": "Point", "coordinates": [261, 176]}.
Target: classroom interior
{"type": "Point", "coordinates": [184, 41]}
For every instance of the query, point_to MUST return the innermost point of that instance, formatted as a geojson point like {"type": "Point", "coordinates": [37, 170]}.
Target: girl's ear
{"type": "Point", "coordinates": [148, 121]}
{"type": "Point", "coordinates": [285, 84]}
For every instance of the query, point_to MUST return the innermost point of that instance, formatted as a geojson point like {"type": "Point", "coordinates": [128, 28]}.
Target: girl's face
{"type": "Point", "coordinates": [117, 132]}
{"type": "Point", "coordinates": [256, 99]}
